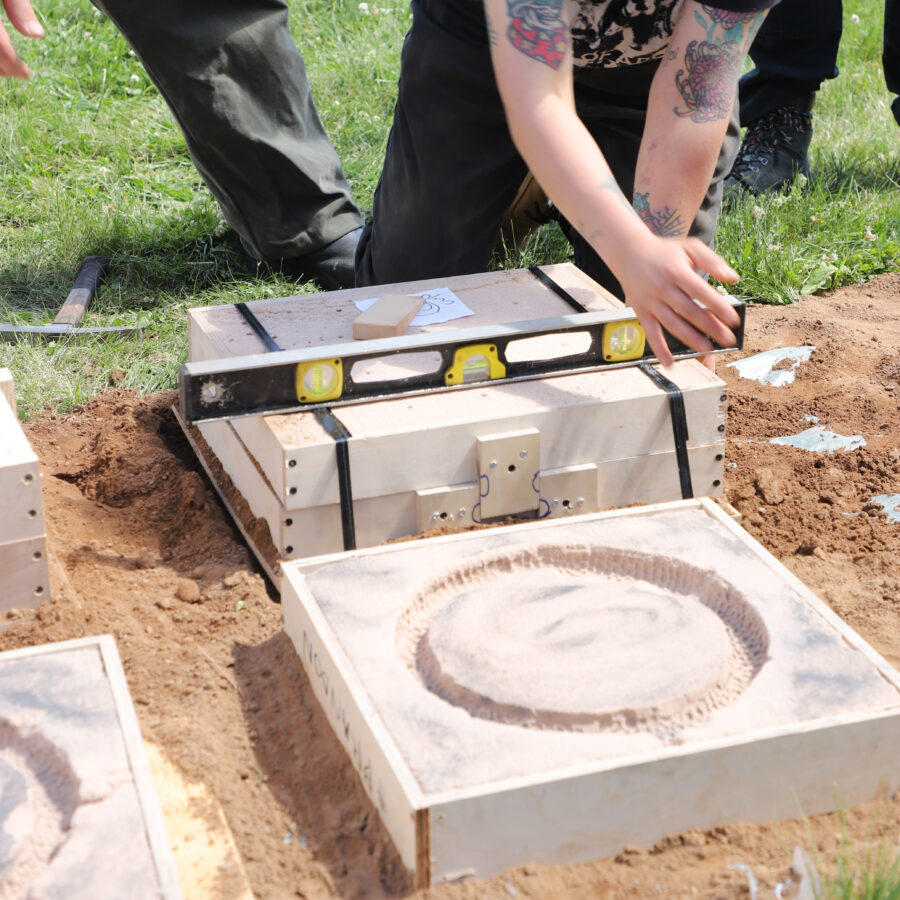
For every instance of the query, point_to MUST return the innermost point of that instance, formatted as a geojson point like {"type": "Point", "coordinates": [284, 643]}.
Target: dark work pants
{"type": "Point", "coordinates": [232, 76]}
{"type": "Point", "coordinates": [451, 169]}
{"type": "Point", "coordinates": [891, 56]}
{"type": "Point", "coordinates": [796, 50]}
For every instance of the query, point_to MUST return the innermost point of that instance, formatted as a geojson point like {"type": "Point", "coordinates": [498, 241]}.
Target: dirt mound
{"type": "Point", "coordinates": [141, 548]}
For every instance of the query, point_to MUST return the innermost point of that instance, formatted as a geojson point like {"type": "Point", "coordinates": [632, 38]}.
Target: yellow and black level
{"type": "Point", "coordinates": [312, 378]}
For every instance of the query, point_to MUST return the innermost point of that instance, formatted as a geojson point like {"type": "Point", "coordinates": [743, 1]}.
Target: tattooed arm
{"type": "Point", "coordinates": [532, 58]}
{"type": "Point", "coordinates": [690, 105]}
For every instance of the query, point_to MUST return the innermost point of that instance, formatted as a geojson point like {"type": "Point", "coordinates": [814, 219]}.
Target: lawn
{"type": "Point", "coordinates": [91, 162]}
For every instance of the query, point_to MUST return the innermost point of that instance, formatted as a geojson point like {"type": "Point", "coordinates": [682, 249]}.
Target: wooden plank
{"type": "Point", "coordinates": [382, 771]}
{"type": "Point", "coordinates": [424, 442]}
{"type": "Point", "coordinates": [24, 575]}
{"type": "Point", "coordinates": [206, 857]}
{"type": "Point", "coordinates": [269, 565]}
{"type": "Point", "coordinates": [7, 388]}
{"type": "Point", "coordinates": [315, 531]}
{"type": "Point", "coordinates": [140, 770]}
{"type": "Point", "coordinates": [582, 817]}
{"type": "Point", "coordinates": [388, 316]}
{"type": "Point", "coordinates": [311, 320]}
{"type": "Point", "coordinates": [20, 484]}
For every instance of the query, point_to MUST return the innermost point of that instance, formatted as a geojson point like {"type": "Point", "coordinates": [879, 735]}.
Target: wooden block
{"type": "Point", "coordinates": [508, 468]}
{"type": "Point", "coordinates": [424, 442]}
{"type": "Point", "coordinates": [7, 388]}
{"type": "Point", "coordinates": [419, 443]}
{"type": "Point", "coordinates": [446, 507]}
{"type": "Point", "coordinates": [463, 795]}
{"type": "Point", "coordinates": [20, 485]}
{"type": "Point", "coordinates": [388, 316]}
{"type": "Point", "coordinates": [302, 532]}
{"type": "Point", "coordinates": [24, 576]}
{"type": "Point", "coordinates": [572, 490]}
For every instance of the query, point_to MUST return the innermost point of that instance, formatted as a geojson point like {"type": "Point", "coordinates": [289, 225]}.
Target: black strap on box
{"type": "Point", "coordinates": [335, 428]}
{"type": "Point", "coordinates": [557, 289]}
{"type": "Point", "coordinates": [679, 425]}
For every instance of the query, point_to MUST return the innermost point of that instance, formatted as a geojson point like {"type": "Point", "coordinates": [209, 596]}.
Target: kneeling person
{"type": "Point", "coordinates": [602, 102]}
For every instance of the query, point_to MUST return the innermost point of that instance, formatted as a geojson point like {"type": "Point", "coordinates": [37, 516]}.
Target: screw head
{"type": "Point", "coordinates": [523, 454]}
{"type": "Point", "coordinates": [581, 501]}
{"type": "Point", "coordinates": [556, 501]}
{"type": "Point", "coordinates": [462, 512]}
{"type": "Point", "coordinates": [493, 463]}
{"type": "Point", "coordinates": [436, 517]}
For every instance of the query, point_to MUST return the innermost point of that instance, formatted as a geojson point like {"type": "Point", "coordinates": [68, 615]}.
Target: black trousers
{"type": "Point", "coordinates": [237, 85]}
{"type": "Point", "coordinates": [451, 168]}
{"type": "Point", "coordinates": [796, 50]}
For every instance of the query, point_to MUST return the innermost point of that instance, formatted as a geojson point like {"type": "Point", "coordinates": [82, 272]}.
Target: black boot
{"type": "Point", "coordinates": [774, 150]}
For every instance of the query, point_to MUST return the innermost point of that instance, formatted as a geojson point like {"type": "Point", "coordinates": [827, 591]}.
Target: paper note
{"type": "Point", "coordinates": [441, 305]}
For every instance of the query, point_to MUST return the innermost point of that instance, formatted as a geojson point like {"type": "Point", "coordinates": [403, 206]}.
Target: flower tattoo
{"type": "Point", "coordinates": [707, 81]}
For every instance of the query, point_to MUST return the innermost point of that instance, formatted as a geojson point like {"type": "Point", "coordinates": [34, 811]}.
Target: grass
{"type": "Point", "coordinates": [867, 872]}
{"type": "Point", "coordinates": [91, 162]}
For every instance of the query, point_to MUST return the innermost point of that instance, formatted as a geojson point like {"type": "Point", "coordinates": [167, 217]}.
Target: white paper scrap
{"type": "Point", "coordinates": [441, 305]}
{"type": "Point", "coordinates": [761, 367]}
{"type": "Point", "coordinates": [820, 440]}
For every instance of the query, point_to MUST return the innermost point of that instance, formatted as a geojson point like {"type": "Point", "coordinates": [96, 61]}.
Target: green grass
{"type": "Point", "coordinates": [91, 162]}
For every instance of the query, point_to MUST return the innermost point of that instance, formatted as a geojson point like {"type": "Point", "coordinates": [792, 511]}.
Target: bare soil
{"type": "Point", "coordinates": [140, 548]}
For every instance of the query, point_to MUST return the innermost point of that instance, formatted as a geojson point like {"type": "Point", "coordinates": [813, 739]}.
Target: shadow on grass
{"type": "Point", "coordinates": [142, 275]}
{"type": "Point", "coordinates": [837, 174]}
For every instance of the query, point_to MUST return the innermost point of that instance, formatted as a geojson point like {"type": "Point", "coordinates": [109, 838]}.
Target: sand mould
{"type": "Point", "coordinates": [38, 795]}
{"type": "Point", "coordinates": [657, 643]}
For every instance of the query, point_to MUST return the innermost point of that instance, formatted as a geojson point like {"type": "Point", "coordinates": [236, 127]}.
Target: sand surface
{"type": "Point", "coordinates": [140, 548]}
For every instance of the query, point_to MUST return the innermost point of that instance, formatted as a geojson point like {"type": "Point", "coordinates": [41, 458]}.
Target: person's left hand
{"type": "Point", "coordinates": [25, 22]}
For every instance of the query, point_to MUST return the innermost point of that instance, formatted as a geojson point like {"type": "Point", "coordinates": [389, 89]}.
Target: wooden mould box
{"type": "Point", "coordinates": [24, 579]}
{"type": "Point", "coordinates": [77, 778]}
{"type": "Point", "coordinates": [602, 439]}
{"type": "Point", "coordinates": [812, 721]}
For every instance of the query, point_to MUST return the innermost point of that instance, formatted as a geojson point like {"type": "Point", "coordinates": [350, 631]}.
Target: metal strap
{"type": "Point", "coordinates": [679, 425]}
{"type": "Point", "coordinates": [335, 428]}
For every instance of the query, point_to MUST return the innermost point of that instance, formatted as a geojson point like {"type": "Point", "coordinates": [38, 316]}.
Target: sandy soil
{"type": "Point", "coordinates": [140, 548]}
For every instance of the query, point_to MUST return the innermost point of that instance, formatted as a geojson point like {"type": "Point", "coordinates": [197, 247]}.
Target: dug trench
{"type": "Point", "coordinates": [141, 548]}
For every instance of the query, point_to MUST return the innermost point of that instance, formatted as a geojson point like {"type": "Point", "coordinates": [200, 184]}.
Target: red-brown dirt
{"type": "Point", "coordinates": [140, 548]}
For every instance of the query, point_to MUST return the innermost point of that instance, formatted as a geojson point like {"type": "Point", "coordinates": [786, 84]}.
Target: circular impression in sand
{"type": "Point", "coordinates": [38, 795]}
{"type": "Point", "coordinates": [583, 638]}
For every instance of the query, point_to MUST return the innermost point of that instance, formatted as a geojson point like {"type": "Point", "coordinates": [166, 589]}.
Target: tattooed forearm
{"type": "Point", "coordinates": [711, 67]}
{"type": "Point", "coordinates": [538, 29]}
{"type": "Point", "coordinates": [664, 222]}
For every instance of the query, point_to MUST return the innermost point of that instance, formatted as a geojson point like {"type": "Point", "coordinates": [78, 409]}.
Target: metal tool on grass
{"type": "Point", "coordinates": [66, 323]}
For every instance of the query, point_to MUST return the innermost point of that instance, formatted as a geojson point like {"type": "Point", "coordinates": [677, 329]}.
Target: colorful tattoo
{"type": "Point", "coordinates": [711, 67]}
{"type": "Point", "coordinates": [537, 28]}
{"type": "Point", "coordinates": [664, 222]}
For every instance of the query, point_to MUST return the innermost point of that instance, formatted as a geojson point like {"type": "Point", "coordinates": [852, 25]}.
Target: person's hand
{"type": "Point", "coordinates": [25, 22]}
{"type": "Point", "coordinates": [663, 287]}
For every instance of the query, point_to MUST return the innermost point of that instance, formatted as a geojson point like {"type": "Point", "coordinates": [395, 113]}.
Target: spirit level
{"type": "Point", "coordinates": [311, 378]}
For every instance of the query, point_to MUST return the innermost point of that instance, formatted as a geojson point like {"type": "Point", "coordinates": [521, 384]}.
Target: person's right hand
{"type": "Point", "coordinates": [662, 285]}
{"type": "Point", "coordinates": [25, 22]}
